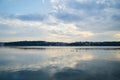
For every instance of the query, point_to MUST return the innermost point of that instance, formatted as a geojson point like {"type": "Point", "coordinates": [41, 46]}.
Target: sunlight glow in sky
{"type": "Point", "coordinates": [60, 20]}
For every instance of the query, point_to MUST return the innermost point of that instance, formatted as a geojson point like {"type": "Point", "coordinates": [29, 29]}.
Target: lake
{"type": "Point", "coordinates": [59, 63]}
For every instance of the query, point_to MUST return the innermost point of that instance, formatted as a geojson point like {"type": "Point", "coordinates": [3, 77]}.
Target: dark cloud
{"type": "Point", "coordinates": [93, 4]}
{"type": "Point", "coordinates": [116, 17]}
{"type": "Point", "coordinates": [25, 17]}
{"type": "Point", "coordinates": [75, 11]}
{"type": "Point", "coordinates": [88, 5]}
{"type": "Point", "coordinates": [115, 4]}
{"type": "Point", "coordinates": [30, 17]}
{"type": "Point", "coordinates": [88, 8]}
{"type": "Point", "coordinates": [67, 17]}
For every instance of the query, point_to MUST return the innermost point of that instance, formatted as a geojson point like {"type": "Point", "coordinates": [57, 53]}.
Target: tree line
{"type": "Point", "coordinates": [45, 43]}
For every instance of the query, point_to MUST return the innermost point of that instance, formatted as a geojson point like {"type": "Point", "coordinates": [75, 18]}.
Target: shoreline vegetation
{"type": "Point", "coordinates": [45, 43]}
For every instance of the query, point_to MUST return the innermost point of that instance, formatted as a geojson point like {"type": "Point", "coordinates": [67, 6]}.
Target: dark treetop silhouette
{"type": "Point", "coordinates": [45, 43]}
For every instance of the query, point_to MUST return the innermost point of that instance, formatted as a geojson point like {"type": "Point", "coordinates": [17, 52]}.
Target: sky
{"type": "Point", "coordinates": [59, 20]}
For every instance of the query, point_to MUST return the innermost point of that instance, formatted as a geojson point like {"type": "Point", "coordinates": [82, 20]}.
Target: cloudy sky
{"type": "Point", "coordinates": [60, 20]}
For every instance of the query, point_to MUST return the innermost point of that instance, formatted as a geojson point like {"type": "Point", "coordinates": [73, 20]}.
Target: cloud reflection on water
{"type": "Point", "coordinates": [59, 64]}
{"type": "Point", "coordinates": [103, 70]}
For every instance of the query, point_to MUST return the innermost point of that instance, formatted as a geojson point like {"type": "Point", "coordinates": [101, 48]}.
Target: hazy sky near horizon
{"type": "Point", "coordinates": [60, 20]}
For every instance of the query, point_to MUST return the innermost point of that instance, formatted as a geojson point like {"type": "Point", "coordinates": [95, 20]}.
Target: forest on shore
{"type": "Point", "coordinates": [45, 43]}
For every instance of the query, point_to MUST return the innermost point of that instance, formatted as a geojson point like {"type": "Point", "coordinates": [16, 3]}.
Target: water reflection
{"type": "Point", "coordinates": [68, 63]}
{"type": "Point", "coordinates": [83, 71]}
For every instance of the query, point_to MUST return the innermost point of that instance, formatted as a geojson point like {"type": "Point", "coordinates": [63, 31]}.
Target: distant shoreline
{"type": "Point", "coordinates": [45, 43]}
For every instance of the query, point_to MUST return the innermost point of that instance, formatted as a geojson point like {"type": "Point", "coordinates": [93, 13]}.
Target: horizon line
{"type": "Point", "coordinates": [54, 41]}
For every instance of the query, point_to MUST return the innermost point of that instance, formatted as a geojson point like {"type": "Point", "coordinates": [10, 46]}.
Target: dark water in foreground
{"type": "Point", "coordinates": [60, 63]}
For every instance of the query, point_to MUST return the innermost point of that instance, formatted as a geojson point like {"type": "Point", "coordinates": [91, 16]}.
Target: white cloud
{"type": "Point", "coordinates": [68, 21]}
{"type": "Point", "coordinates": [117, 35]}
{"type": "Point", "coordinates": [52, 32]}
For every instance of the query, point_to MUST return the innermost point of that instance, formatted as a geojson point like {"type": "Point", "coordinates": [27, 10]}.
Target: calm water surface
{"type": "Point", "coordinates": [59, 63]}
